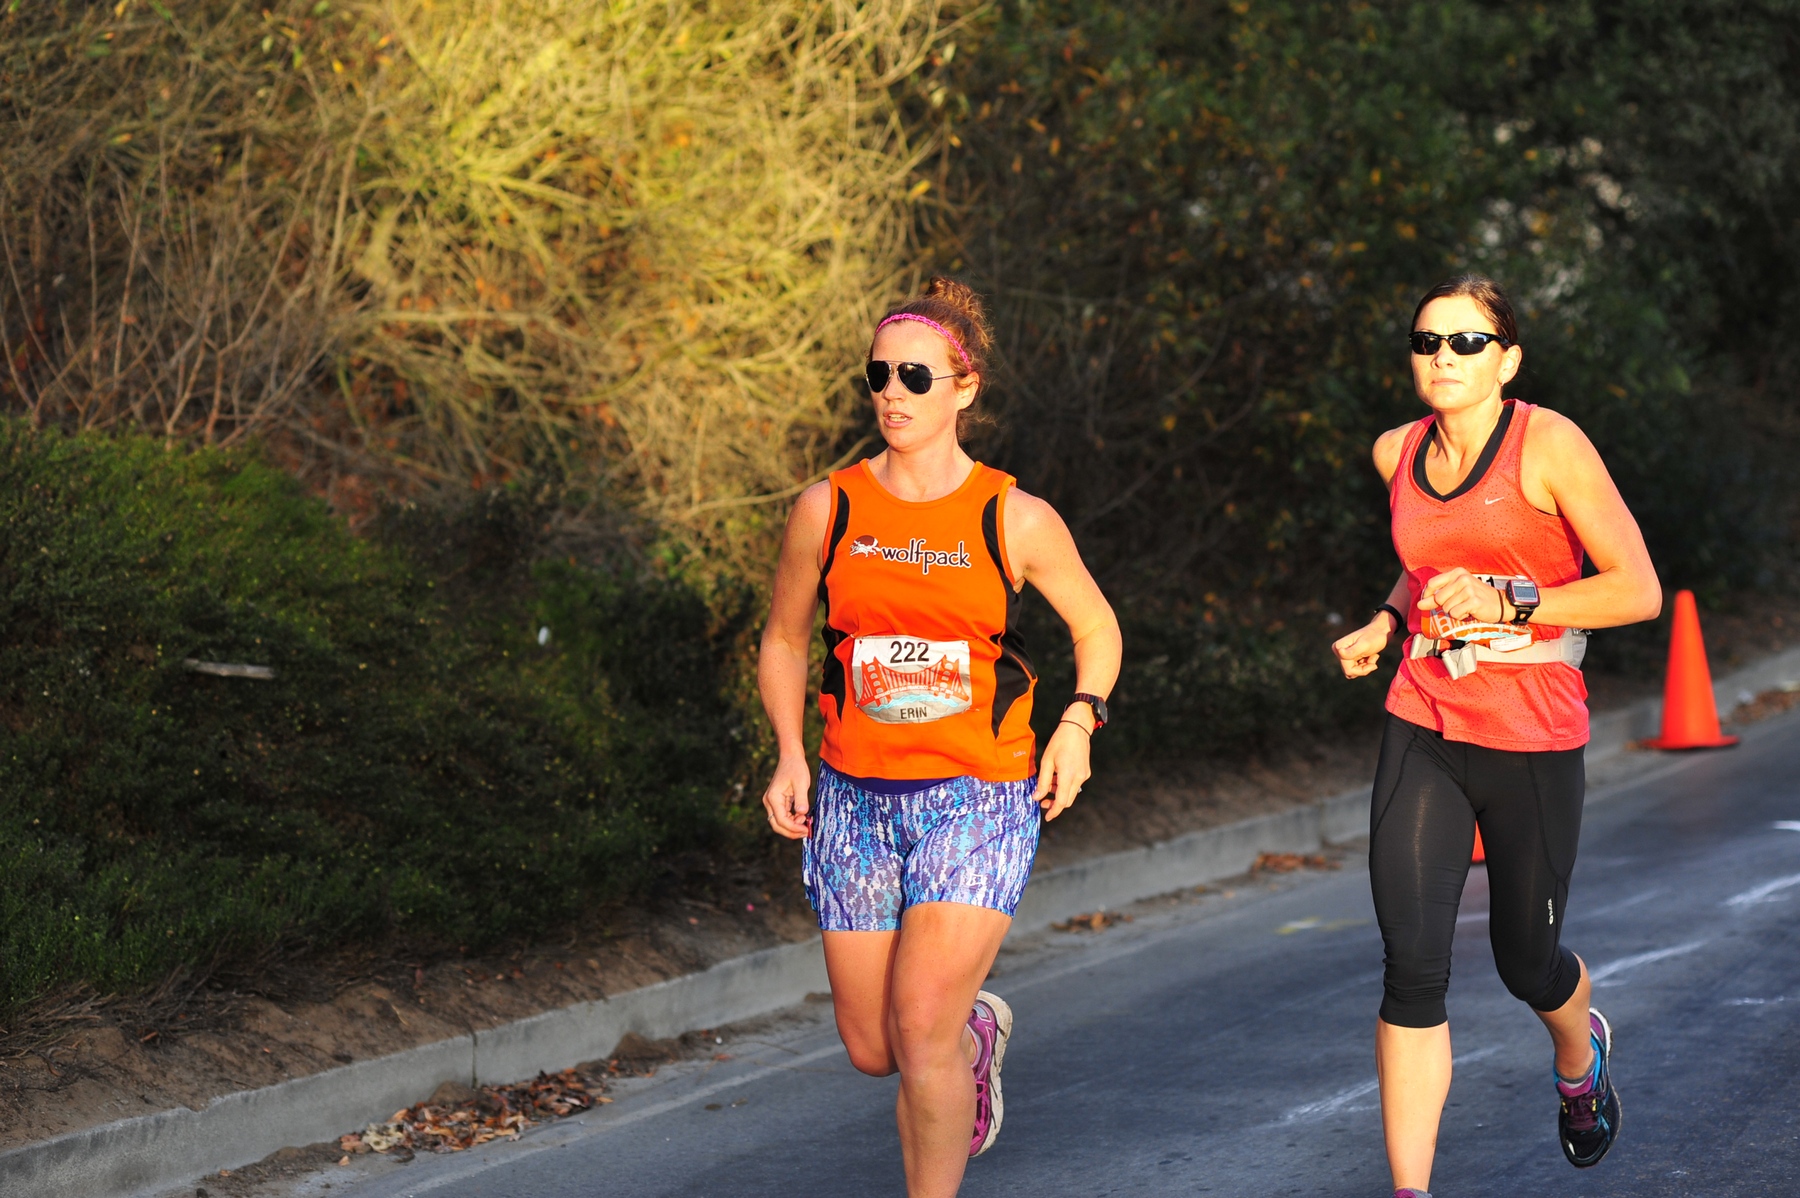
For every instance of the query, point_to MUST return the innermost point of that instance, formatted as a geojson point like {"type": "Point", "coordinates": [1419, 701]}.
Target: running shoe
{"type": "Point", "coordinates": [991, 1021]}
{"type": "Point", "coordinates": [1409, 1192]}
{"type": "Point", "coordinates": [1589, 1122]}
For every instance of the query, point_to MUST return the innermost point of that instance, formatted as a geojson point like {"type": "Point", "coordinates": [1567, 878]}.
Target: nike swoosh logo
{"type": "Point", "coordinates": [1495, 499]}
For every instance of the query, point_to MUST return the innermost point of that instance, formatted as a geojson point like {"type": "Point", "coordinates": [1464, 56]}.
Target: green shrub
{"type": "Point", "coordinates": [1203, 683]}
{"type": "Point", "coordinates": [413, 770]}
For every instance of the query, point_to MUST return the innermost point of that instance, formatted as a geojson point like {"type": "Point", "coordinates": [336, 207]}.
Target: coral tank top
{"type": "Point", "coordinates": [926, 674]}
{"type": "Point", "coordinates": [1486, 526]}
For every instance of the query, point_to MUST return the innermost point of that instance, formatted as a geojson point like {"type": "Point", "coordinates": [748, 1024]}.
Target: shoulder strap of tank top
{"type": "Point", "coordinates": [993, 519]}
{"type": "Point", "coordinates": [1512, 450]}
{"type": "Point", "coordinates": [837, 522]}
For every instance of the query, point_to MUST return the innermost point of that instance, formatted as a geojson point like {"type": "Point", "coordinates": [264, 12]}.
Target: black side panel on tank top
{"type": "Point", "coordinates": [1013, 671]}
{"type": "Point", "coordinates": [833, 682]}
{"type": "Point", "coordinates": [1489, 452]}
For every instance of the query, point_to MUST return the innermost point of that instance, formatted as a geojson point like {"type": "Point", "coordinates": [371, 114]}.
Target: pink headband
{"type": "Point", "coordinates": [935, 327]}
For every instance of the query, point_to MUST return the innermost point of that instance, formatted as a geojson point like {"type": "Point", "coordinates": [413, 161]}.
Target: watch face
{"type": "Point", "coordinates": [1522, 591]}
{"type": "Point", "coordinates": [1100, 710]}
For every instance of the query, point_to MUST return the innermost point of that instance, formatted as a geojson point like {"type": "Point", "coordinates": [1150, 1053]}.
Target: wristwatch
{"type": "Point", "coordinates": [1522, 593]}
{"type": "Point", "coordinates": [1099, 706]}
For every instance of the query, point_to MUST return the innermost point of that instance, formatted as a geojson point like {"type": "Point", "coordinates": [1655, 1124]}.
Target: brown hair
{"type": "Point", "coordinates": [1483, 291]}
{"type": "Point", "coordinates": [956, 306]}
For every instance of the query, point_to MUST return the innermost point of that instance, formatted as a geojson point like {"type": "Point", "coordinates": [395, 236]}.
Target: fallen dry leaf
{"type": "Point", "coordinates": [495, 1112]}
{"type": "Point", "coordinates": [1284, 863]}
{"type": "Point", "coordinates": [1094, 921]}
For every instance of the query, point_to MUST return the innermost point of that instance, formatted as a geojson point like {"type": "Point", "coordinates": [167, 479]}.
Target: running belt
{"type": "Point", "coordinates": [1461, 658]}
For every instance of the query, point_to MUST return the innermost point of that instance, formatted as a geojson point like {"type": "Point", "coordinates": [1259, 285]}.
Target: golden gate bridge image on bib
{"type": "Point", "coordinates": [910, 680]}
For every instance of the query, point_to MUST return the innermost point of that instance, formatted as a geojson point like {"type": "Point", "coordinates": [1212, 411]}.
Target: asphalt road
{"type": "Point", "coordinates": [1222, 1045]}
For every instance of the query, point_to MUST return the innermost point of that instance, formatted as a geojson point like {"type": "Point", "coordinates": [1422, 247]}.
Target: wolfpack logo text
{"type": "Point", "coordinates": [915, 553]}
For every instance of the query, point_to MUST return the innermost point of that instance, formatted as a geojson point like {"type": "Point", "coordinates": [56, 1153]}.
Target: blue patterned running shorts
{"type": "Point", "coordinates": [872, 855]}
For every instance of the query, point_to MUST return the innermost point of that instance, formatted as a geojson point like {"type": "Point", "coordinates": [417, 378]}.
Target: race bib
{"type": "Point", "coordinates": [909, 680]}
{"type": "Point", "coordinates": [1502, 638]}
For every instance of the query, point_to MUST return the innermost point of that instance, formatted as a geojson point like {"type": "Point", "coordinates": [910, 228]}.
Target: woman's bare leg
{"type": "Point", "coordinates": [946, 950]}
{"type": "Point", "coordinates": [861, 968]}
{"type": "Point", "coordinates": [1413, 1065]}
{"type": "Point", "coordinates": [902, 1001]}
{"type": "Point", "coordinates": [1571, 1032]}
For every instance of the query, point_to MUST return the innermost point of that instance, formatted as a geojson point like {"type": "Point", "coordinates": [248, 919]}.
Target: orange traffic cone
{"type": "Point", "coordinates": [1689, 720]}
{"type": "Point", "coordinates": [1480, 849]}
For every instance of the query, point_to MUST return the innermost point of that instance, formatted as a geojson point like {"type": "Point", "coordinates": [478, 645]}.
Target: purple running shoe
{"type": "Point", "coordinates": [1589, 1122]}
{"type": "Point", "coordinates": [1409, 1192]}
{"type": "Point", "coordinates": [991, 1021]}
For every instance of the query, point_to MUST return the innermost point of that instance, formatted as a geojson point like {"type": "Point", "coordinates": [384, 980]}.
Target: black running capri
{"type": "Point", "coordinates": [1429, 795]}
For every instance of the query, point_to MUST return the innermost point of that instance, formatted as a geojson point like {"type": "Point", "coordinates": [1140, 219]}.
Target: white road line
{"type": "Point", "coordinates": [1787, 825]}
{"type": "Point", "coordinates": [1327, 1107]}
{"type": "Point", "coordinates": [1613, 968]}
{"type": "Point", "coordinates": [1095, 959]}
{"type": "Point", "coordinates": [1621, 905]}
{"type": "Point", "coordinates": [669, 1104]}
{"type": "Point", "coordinates": [1338, 1103]}
{"type": "Point", "coordinates": [1757, 894]}
{"type": "Point", "coordinates": [574, 1127]}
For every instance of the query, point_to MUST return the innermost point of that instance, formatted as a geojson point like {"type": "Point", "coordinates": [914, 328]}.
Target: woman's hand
{"type": "Point", "coordinates": [1462, 596]}
{"type": "Point", "coordinates": [1359, 652]}
{"type": "Point", "coordinates": [789, 812]}
{"type": "Point", "coordinates": [1063, 768]}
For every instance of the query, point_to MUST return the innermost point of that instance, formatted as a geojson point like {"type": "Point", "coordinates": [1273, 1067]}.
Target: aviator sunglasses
{"type": "Point", "coordinates": [1426, 344]}
{"type": "Point", "coordinates": [914, 376]}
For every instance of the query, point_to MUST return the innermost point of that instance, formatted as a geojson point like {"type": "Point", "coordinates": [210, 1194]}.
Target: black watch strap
{"type": "Point", "coordinates": [1099, 706]}
{"type": "Point", "coordinates": [1522, 611]}
{"type": "Point", "coordinates": [1399, 620]}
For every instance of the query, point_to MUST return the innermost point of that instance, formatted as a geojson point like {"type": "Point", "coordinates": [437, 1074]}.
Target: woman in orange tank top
{"type": "Point", "coordinates": [1494, 505]}
{"type": "Point", "coordinates": [922, 835]}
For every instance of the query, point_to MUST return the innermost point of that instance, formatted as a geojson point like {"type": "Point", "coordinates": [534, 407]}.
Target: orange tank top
{"type": "Point", "coordinates": [926, 675]}
{"type": "Point", "coordinates": [1486, 526]}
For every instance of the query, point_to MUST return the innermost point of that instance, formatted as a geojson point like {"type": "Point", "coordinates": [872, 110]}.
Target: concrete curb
{"type": "Point", "coordinates": [152, 1152]}
{"type": "Point", "coordinates": [1118, 879]}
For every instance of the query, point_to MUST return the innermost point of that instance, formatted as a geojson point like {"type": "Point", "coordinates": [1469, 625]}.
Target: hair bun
{"type": "Point", "coordinates": [958, 295]}
{"type": "Point", "coordinates": [958, 308]}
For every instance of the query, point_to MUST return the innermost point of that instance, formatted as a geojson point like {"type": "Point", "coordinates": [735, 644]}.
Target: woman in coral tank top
{"type": "Point", "coordinates": [926, 821]}
{"type": "Point", "coordinates": [1494, 503]}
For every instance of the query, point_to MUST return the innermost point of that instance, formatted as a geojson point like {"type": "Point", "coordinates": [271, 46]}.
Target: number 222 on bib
{"type": "Point", "coordinates": [909, 680]}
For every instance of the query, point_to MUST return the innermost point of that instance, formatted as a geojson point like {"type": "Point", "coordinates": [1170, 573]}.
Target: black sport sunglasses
{"type": "Point", "coordinates": [1426, 344]}
{"type": "Point", "coordinates": [914, 376]}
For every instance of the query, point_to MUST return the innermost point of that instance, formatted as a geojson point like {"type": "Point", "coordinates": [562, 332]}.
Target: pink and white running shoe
{"type": "Point", "coordinates": [991, 1022]}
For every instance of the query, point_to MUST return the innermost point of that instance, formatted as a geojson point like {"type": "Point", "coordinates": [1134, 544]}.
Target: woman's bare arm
{"type": "Point", "coordinates": [1359, 651]}
{"type": "Point", "coordinates": [1042, 552]}
{"type": "Point", "coordinates": [1559, 458]}
{"type": "Point", "coordinates": [781, 668]}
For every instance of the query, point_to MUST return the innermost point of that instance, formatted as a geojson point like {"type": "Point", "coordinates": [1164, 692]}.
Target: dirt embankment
{"type": "Point", "coordinates": [87, 1061]}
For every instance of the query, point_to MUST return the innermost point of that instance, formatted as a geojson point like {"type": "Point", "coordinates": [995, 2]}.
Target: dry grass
{"type": "Point", "coordinates": [628, 250]}
{"type": "Point", "coordinates": [656, 229]}
{"type": "Point", "coordinates": [174, 210]}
